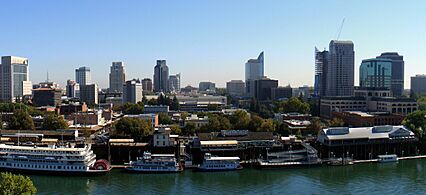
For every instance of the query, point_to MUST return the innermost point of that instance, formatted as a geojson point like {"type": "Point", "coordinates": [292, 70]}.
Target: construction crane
{"type": "Point", "coordinates": [340, 29]}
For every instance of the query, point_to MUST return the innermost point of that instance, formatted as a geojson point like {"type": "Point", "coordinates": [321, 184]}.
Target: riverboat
{"type": "Point", "coordinates": [51, 159]}
{"type": "Point", "coordinates": [387, 158]}
{"type": "Point", "coordinates": [214, 163]}
{"type": "Point", "coordinates": [155, 163]}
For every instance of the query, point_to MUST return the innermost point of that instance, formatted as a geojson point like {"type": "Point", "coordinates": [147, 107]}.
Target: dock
{"type": "Point", "coordinates": [399, 158]}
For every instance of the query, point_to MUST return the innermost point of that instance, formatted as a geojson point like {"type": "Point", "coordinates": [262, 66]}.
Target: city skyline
{"type": "Point", "coordinates": [57, 40]}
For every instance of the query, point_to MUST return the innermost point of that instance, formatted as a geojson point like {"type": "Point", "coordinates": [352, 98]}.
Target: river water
{"type": "Point", "coordinates": [408, 176]}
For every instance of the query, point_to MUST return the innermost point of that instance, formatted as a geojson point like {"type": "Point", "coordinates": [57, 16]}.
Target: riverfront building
{"type": "Point", "coordinates": [366, 142]}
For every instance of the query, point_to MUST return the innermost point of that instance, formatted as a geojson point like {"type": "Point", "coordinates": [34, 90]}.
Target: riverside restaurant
{"type": "Point", "coordinates": [365, 143]}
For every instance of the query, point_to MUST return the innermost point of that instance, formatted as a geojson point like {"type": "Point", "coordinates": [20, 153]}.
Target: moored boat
{"type": "Point", "coordinates": [51, 159]}
{"type": "Point", "coordinates": [213, 163]}
{"type": "Point", "coordinates": [387, 158]}
{"type": "Point", "coordinates": [155, 163]}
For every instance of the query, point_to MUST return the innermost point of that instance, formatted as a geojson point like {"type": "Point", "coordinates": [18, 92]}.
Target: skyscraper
{"type": "Point", "coordinates": [14, 78]}
{"type": "Point", "coordinates": [207, 86]}
{"type": "Point", "coordinates": [174, 83]}
{"type": "Point", "coordinates": [321, 62]}
{"type": "Point", "coordinates": [132, 91]}
{"type": "Point", "coordinates": [117, 77]}
{"type": "Point", "coordinates": [375, 73]}
{"type": "Point", "coordinates": [147, 84]}
{"type": "Point", "coordinates": [340, 70]}
{"type": "Point", "coordinates": [254, 71]}
{"type": "Point", "coordinates": [161, 76]}
{"type": "Point", "coordinates": [397, 80]}
{"type": "Point", "coordinates": [82, 76]}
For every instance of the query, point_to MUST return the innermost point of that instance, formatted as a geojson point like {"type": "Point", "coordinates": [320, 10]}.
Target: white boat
{"type": "Point", "coordinates": [60, 160]}
{"type": "Point", "coordinates": [155, 163]}
{"type": "Point", "coordinates": [387, 158]}
{"type": "Point", "coordinates": [212, 163]}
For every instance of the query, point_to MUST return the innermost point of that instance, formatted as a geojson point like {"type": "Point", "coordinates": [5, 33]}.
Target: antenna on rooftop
{"type": "Point", "coordinates": [340, 29]}
{"type": "Point", "coordinates": [47, 77]}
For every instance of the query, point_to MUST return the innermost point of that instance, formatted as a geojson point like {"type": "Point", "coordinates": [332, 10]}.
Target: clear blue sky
{"type": "Point", "coordinates": [205, 40]}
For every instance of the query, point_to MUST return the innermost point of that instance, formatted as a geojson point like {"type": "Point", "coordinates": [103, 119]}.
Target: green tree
{"type": "Point", "coordinates": [16, 184]}
{"type": "Point", "coordinates": [416, 122]}
{"type": "Point", "coordinates": [422, 103]}
{"type": "Point", "coordinates": [292, 105]}
{"type": "Point", "coordinates": [316, 126]}
{"type": "Point", "coordinates": [53, 122]}
{"type": "Point", "coordinates": [189, 129]}
{"type": "Point", "coordinates": [164, 119]}
{"type": "Point", "coordinates": [129, 108]}
{"type": "Point", "coordinates": [240, 120]}
{"type": "Point", "coordinates": [136, 128]}
{"type": "Point", "coordinates": [336, 122]}
{"type": "Point", "coordinates": [21, 120]}
{"type": "Point", "coordinates": [176, 129]}
{"type": "Point", "coordinates": [174, 104]}
{"type": "Point", "coordinates": [183, 115]}
{"type": "Point", "coordinates": [255, 123]}
{"type": "Point", "coordinates": [268, 125]}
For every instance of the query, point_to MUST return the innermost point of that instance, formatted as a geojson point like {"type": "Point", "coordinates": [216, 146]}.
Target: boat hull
{"type": "Point", "coordinates": [132, 170]}
{"type": "Point", "coordinates": [55, 173]}
{"type": "Point", "coordinates": [198, 169]}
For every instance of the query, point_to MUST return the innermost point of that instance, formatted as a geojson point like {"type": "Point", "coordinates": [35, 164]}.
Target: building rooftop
{"type": "Point", "coordinates": [249, 136]}
{"type": "Point", "coordinates": [377, 132]}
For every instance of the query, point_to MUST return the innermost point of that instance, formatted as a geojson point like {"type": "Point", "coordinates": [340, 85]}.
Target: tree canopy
{"type": "Point", "coordinates": [164, 119]}
{"type": "Point", "coordinates": [240, 120]}
{"type": "Point", "coordinates": [292, 105]}
{"type": "Point", "coordinates": [53, 122]}
{"type": "Point", "coordinates": [21, 120]}
{"type": "Point", "coordinates": [136, 128]}
{"type": "Point", "coordinates": [16, 184]}
{"type": "Point", "coordinates": [336, 122]}
{"type": "Point", "coordinates": [129, 108]}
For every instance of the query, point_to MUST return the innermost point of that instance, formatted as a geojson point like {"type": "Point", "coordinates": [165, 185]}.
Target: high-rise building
{"type": "Point", "coordinates": [340, 70]}
{"type": "Point", "coordinates": [263, 88]}
{"type": "Point", "coordinates": [132, 91]}
{"type": "Point", "coordinates": [235, 87]}
{"type": "Point", "coordinates": [161, 76]}
{"type": "Point", "coordinates": [147, 84]}
{"type": "Point", "coordinates": [72, 89]}
{"type": "Point", "coordinates": [254, 71]}
{"type": "Point", "coordinates": [207, 86]}
{"type": "Point", "coordinates": [174, 83]}
{"type": "Point", "coordinates": [418, 84]}
{"type": "Point", "coordinates": [89, 94]}
{"type": "Point", "coordinates": [397, 80]}
{"type": "Point", "coordinates": [117, 77]}
{"type": "Point", "coordinates": [14, 78]}
{"type": "Point", "coordinates": [321, 61]}
{"type": "Point", "coordinates": [375, 73]}
{"type": "Point", "coordinates": [82, 76]}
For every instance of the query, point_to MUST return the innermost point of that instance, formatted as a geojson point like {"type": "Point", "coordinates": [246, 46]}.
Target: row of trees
{"type": "Point", "coordinates": [21, 120]}
{"type": "Point", "coordinates": [16, 184]}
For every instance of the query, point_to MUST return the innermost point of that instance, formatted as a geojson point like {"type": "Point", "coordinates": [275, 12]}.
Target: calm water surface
{"type": "Point", "coordinates": [407, 176]}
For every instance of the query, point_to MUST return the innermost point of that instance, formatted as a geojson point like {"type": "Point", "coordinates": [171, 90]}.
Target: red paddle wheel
{"type": "Point", "coordinates": [101, 165]}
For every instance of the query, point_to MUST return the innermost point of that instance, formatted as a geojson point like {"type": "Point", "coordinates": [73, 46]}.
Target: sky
{"type": "Point", "coordinates": [206, 40]}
